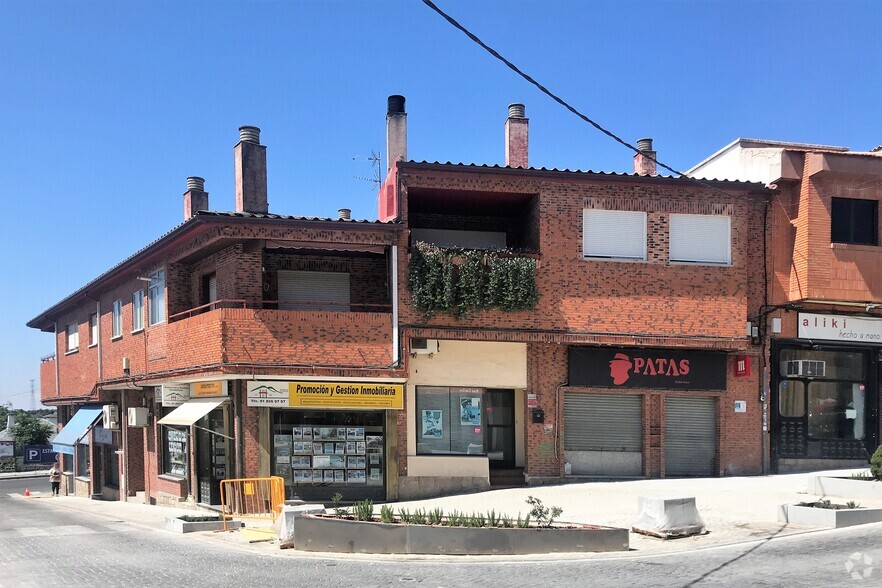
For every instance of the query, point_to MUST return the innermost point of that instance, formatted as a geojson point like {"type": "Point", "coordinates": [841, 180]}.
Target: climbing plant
{"type": "Point", "coordinates": [462, 281]}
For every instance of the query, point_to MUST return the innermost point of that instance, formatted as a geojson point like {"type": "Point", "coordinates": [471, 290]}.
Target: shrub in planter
{"type": "Point", "coordinates": [876, 463]}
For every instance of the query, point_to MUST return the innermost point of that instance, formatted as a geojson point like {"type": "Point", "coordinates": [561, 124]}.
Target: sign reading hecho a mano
{"type": "Point", "coordinates": [647, 368]}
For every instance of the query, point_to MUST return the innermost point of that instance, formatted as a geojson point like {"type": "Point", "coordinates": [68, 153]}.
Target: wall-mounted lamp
{"type": "Point", "coordinates": [871, 307]}
{"type": "Point", "coordinates": [126, 366]}
{"type": "Point", "coordinates": [144, 279]}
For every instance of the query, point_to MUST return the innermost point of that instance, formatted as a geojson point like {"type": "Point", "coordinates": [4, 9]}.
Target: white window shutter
{"type": "Point", "coordinates": [701, 238]}
{"type": "Point", "coordinates": [615, 234]}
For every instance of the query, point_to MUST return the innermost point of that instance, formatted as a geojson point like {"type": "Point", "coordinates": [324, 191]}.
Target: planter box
{"type": "Point", "coordinates": [848, 488]}
{"type": "Point", "coordinates": [312, 533]}
{"type": "Point", "coordinates": [178, 525]}
{"type": "Point", "coordinates": [828, 517]}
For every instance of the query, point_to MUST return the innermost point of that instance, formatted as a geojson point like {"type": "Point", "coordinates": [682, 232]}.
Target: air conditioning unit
{"type": "Point", "coordinates": [138, 417]}
{"type": "Point", "coordinates": [423, 346]}
{"type": "Point", "coordinates": [809, 368]}
{"type": "Point", "coordinates": [110, 414]}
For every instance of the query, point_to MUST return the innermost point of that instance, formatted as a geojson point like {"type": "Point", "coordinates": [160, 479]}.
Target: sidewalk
{"type": "Point", "coordinates": [31, 474]}
{"type": "Point", "coordinates": [735, 510]}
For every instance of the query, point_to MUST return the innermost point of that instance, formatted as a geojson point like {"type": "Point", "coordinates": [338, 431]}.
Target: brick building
{"type": "Point", "coordinates": [189, 344]}
{"type": "Point", "coordinates": [497, 324]}
{"type": "Point", "coordinates": [636, 358]}
{"type": "Point", "coordinates": [820, 325]}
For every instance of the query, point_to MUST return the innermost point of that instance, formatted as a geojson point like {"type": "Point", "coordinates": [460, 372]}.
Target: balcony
{"type": "Point", "coordinates": [262, 333]}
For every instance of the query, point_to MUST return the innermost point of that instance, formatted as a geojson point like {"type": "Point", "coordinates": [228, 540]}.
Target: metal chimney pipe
{"type": "Point", "coordinates": [196, 183]}
{"type": "Point", "coordinates": [344, 214]}
{"type": "Point", "coordinates": [248, 134]}
{"type": "Point", "coordinates": [644, 144]}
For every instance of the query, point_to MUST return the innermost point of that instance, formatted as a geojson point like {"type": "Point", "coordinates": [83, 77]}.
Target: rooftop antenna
{"type": "Point", "coordinates": [375, 160]}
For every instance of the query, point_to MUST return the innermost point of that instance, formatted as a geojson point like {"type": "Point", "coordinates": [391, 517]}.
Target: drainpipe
{"type": "Point", "coordinates": [240, 441]}
{"type": "Point", "coordinates": [395, 351]}
{"type": "Point", "coordinates": [124, 419]}
{"type": "Point", "coordinates": [57, 360]}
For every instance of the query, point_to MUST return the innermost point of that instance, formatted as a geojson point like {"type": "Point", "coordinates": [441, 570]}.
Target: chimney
{"type": "Point", "coordinates": [517, 128]}
{"type": "Point", "coordinates": [396, 131]}
{"type": "Point", "coordinates": [642, 165]}
{"type": "Point", "coordinates": [344, 214]}
{"type": "Point", "coordinates": [195, 198]}
{"type": "Point", "coordinates": [250, 163]}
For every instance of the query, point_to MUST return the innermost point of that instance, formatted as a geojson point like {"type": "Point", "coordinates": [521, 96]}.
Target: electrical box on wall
{"type": "Point", "coordinates": [538, 415]}
{"type": "Point", "coordinates": [110, 416]}
{"type": "Point", "coordinates": [138, 417]}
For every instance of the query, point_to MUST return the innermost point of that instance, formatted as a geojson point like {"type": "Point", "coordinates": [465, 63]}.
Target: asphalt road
{"type": "Point", "coordinates": [42, 545]}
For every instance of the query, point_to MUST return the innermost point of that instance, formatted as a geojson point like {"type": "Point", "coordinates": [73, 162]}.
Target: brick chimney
{"type": "Point", "coordinates": [517, 127]}
{"type": "Point", "coordinates": [195, 198]}
{"type": "Point", "coordinates": [250, 163]}
{"type": "Point", "coordinates": [396, 131]}
{"type": "Point", "coordinates": [643, 166]}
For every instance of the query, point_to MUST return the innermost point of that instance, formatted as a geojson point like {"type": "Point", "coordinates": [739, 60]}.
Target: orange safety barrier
{"type": "Point", "coordinates": [252, 498]}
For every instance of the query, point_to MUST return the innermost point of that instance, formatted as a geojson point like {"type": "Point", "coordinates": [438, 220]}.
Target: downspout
{"type": "Point", "coordinates": [240, 441]}
{"type": "Point", "coordinates": [396, 356]}
{"type": "Point", "coordinates": [57, 361]}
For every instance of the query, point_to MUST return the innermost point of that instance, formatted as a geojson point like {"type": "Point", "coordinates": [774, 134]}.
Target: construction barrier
{"type": "Point", "coordinates": [252, 498]}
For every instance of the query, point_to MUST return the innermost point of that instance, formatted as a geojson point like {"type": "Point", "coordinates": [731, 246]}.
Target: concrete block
{"type": "Point", "coordinates": [668, 517]}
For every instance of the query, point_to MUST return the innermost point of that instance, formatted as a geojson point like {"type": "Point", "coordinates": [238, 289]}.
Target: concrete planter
{"type": "Point", "coordinates": [330, 534]}
{"type": "Point", "coordinates": [849, 488]}
{"type": "Point", "coordinates": [828, 517]}
{"type": "Point", "coordinates": [179, 525]}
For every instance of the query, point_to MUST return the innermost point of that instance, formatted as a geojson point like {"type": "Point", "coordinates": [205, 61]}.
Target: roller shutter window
{"type": "Point", "coordinates": [306, 290]}
{"type": "Point", "coordinates": [690, 436]}
{"type": "Point", "coordinates": [701, 238]}
{"type": "Point", "coordinates": [602, 422]}
{"type": "Point", "coordinates": [614, 234]}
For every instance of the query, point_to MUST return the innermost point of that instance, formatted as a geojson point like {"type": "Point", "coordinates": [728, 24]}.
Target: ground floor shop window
{"type": "Point", "coordinates": [449, 421]}
{"type": "Point", "coordinates": [84, 463]}
{"type": "Point", "coordinates": [111, 465]}
{"type": "Point", "coordinates": [340, 449]}
{"type": "Point", "coordinates": [175, 451]}
{"type": "Point", "coordinates": [836, 410]}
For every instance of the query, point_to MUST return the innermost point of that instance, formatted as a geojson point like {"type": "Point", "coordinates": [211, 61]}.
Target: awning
{"type": "Point", "coordinates": [191, 411]}
{"type": "Point", "coordinates": [75, 429]}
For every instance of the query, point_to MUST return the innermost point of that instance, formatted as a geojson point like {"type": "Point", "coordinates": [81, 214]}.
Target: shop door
{"type": "Point", "coordinates": [690, 436]}
{"type": "Point", "coordinates": [500, 434]}
{"type": "Point", "coordinates": [211, 455]}
{"type": "Point", "coordinates": [603, 434]}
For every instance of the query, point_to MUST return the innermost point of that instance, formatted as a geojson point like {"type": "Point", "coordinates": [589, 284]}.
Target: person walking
{"type": "Point", "coordinates": [55, 478]}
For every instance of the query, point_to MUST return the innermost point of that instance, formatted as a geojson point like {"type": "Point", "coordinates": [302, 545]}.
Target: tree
{"type": "Point", "coordinates": [30, 430]}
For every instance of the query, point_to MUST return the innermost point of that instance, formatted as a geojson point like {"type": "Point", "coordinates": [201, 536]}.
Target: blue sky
{"type": "Point", "coordinates": [107, 107]}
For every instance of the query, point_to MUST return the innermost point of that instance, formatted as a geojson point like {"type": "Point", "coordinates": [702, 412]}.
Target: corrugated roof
{"type": "Point", "coordinates": [259, 215]}
{"type": "Point", "coordinates": [618, 175]}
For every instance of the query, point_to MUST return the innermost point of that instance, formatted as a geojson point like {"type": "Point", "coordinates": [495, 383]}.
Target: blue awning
{"type": "Point", "coordinates": [75, 429]}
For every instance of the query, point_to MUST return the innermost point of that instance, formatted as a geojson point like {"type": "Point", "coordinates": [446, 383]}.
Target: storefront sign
{"type": "Point", "coordinates": [742, 366]}
{"type": "Point", "coordinates": [209, 389]}
{"type": "Point", "coordinates": [833, 327]}
{"type": "Point", "coordinates": [103, 436]}
{"type": "Point", "coordinates": [326, 395]}
{"type": "Point", "coordinates": [532, 401]}
{"type": "Point", "coordinates": [673, 369]}
{"type": "Point", "coordinates": [7, 449]}
{"type": "Point", "coordinates": [175, 394]}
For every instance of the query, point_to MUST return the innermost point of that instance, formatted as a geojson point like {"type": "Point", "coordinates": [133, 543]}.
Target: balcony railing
{"type": "Point", "coordinates": [311, 305]}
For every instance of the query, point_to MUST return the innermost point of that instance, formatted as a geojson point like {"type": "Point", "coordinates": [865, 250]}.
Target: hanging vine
{"type": "Point", "coordinates": [461, 281]}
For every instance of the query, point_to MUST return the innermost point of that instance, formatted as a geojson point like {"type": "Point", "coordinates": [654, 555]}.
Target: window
{"type": "Point", "coordinates": [73, 338]}
{"type": "Point", "coordinates": [175, 451]}
{"type": "Point", "coordinates": [449, 421]}
{"type": "Point", "coordinates": [93, 329]}
{"type": "Point", "coordinates": [836, 410]}
{"type": "Point", "coordinates": [138, 310]}
{"type": "Point", "coordinates": [854, 220]}
{"type": "Point", "coordinates": [614, 234]}
{"type": "Point", "coordinates": [791, 398]}
{"type": "Point", "coordinates": [84, 461]}
{"type": "Point", "coordinates": [307, 290]}
{"type": "Point", "coordinates": [116, 329]}
{"type": "Point", "coordinates": [156, 297]}
{"type": "Point", "coordinates": [700, 238]}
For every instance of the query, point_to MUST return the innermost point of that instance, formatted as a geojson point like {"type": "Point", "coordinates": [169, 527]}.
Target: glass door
{"type": "Point", "coordinates": [500, 433]}
{"type": "Point", "coordinates": [211, 450]}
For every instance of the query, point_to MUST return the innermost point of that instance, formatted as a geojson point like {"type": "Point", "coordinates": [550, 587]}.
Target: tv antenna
{"type": "Point", "coordinates": [375, 159]}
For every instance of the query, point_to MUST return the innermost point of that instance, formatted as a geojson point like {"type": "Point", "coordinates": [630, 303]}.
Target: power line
{"type": "Point", "coordinates": [560, 100]}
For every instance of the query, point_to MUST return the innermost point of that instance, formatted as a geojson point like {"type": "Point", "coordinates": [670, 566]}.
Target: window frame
{"type": "Point", "coordinates": [839, 225]}
{"type": "Point", "coordinates": [690, 220]}
{"type": "Point", "coordinates": [451, 414]}
{"type": "Point", "coordinates": [610, 255]}
{"type": "Point", "coordinates": [116, 320]}
{"type": "Point", "coordinates": [156, 298]}
{"type": "Point", "coordinates": [165, 468]}
{"type": "Point", "coordinates": [72, 337]}
{"type": "Point", "coordinates": [93, 329]}
{"type": "Point", "coordinates": [138, 311]}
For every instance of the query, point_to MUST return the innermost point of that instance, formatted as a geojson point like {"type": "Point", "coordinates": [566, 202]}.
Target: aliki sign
{"type": "Point", "coordinates": [669, 369]}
